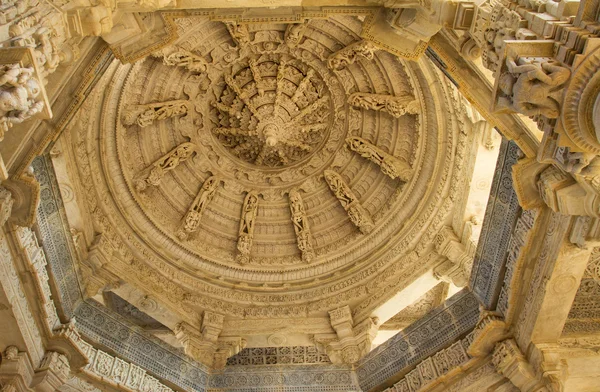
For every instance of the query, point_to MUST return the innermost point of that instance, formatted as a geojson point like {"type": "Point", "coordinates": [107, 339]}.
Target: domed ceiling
{"type": "Point", "coordinates": [270, 170]}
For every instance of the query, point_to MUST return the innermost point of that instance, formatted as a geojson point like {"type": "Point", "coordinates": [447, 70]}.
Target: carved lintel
{"type": "Point", "coordinates": [153, 175]}
{"type": "Point", "coordinates": [145, 115]}
{"type": "Point", "coordinates": [358, 215]}
{"type": "Point", "coordinates": [191, 220]}
{"type": "Point", "coordinates": [390, 165]}
{"type": "Point", "coordinates": [301, 227]}
{"type": "Point", "coordinates": [246, 231]}
{"type": "Point", "coordinates": [348, 55]}
{"type": "Point", "coordinates": [395, 106]}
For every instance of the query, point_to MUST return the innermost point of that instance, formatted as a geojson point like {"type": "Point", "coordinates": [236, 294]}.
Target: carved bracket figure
{"type": "Point", "coordinates": [191, 220]}
{"type": "Point", "coordinates": [154, 174]}
{"type": "Point", "coordinates": [246, 232]}
{"type": "Point", "coordinates": [396, 106]}
{"type": "Point", "coordinates": [239, 33]}
{"type": "Point", "coordinates": [187, 60]}
{"type": "Point", "coordinates": [356, 212]}
{"type": "Point", "coordinates": [300, 221]}
{"type": "Point", "coordinates": [348, 55]}
{"type": "Point", "coordinates": [145, 115]}
{"type": "Point", "coordinates": [294, 33]}
{"type": "Point", "coordinates": [390, 165]}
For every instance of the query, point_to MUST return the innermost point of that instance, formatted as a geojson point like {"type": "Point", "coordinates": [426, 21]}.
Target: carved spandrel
{"type": "Point", "coordinates": [246, 231]}
{"type": "Point", "coordinates": [348, 55]}
{"type": "Point", "coordinates": [358, 215]}
{"type": "Point", "coordinates": [153, 175]}
{"type": "Point", "coordinates": [301, 227]}
{"type": "Point", "coordinates": [395, 106]}
{"type": "Point", "coordinates": [186, 59]}
{"type": "Point", "coordinates": [191, 220]}
{"type": "Point", "coordinates": [145, 115]}
{"type": "Point", "coordinates": [390, 165]}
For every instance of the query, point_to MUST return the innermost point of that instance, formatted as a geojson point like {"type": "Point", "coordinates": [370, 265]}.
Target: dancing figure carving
{"type": "Point", "coordinates": [154, 174]}
{"type": "Point", "coordinates": [358, 215]}
{"type": "Point", "coordinates": [191, 220]}
{"type": "Point", "coordinates": [390, 165]}
{"type": "Point", "coordinates": [246, 232]}
{"type": "Point", "coordinates": [300, 221]}
{"type": "Point", "coordinates": [395, 106]}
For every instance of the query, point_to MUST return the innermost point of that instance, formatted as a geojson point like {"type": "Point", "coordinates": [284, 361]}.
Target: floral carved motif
{"type": "Point", "coordinates": [390, 165]}
{"type": "Point", "coordinates": [356, 212]}
{"type": "Point", "coordinates": [395, 106]}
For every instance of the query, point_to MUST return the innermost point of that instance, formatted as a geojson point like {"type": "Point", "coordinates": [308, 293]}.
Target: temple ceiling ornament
{"type": "Point", "coordinates": [260, 171]}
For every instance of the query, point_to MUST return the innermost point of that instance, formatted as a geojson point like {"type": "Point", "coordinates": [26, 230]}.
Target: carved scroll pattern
{"type": "Point", "coordinates": [154, 174]}
{"type": "Point", "coordinates": [356, 212]}
{"type": "Point", "coordinates": [301, 227]}
{"type": "Point", "coordinates": [395, 106]}
{"type": "Point", "coordinates": [348, 55]}
{"type": "Point", "coordinates": [390, 165]}
{"type": "Point", "coordinates": [145, 115]}
{"type": "Point", "coordinates": [246, 232]}
{"type": "Point", "coordinates": [191, 220]}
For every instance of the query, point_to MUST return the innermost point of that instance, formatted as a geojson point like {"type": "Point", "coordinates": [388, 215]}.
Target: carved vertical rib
{"type": "Point", "coordinates": [191, 220]}
{"type": "Point", "coordinates": [145, 115]}
{"type": "Point", "coordinates": [246, 232]}
{"type": "Point", "coordinates": [348, 55]}
{"type": "Point", "coordinates": [300, 221]}
{"type": "Point", "coordinates": [154, 173]}
{"type": "Point", "coordinates": [356, 212]}
{"type": "Point", "coordinates": [389, 164]}
{"type": "Point", "coordinates": [396, 106]}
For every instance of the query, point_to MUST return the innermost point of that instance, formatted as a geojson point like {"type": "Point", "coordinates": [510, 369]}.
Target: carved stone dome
{"type": "Point", "coordinates": [256, 174]}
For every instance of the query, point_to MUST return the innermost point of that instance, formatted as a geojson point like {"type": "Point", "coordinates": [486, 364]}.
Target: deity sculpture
{"type": "Point", "coordinates": [396, 106]}
{"type": "Point", "coordinates": [246, 231]}
{"type": "Point", "coordinates": [154, 174]}
{"type": "Point", "coordinates": [19, 92]}
{"type": "Point", "coordinates": [301, 228]}
{"type": "Point", "coordinates": [188, 60]}
{"type": "Point", "coordinates": [358, 215]}
{"type": "Point", "coordinates": [239, 33]}
{"type": "Point", "coordinates": [294, 33]}
{"type": "Point", "coordinates": [390, 165]}
{"type": "Point", "coordinates": [191, 220]}
{"type": "Point", "coordinates": [531, 88]}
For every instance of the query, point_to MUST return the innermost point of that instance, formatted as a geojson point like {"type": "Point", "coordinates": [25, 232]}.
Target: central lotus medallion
{"type": "Point", "coordinates": [273, 111]}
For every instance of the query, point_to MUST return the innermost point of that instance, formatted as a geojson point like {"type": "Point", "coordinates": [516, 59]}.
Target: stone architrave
{"type": "Point", "coordinates": [153, 175]}
{"type": "Point", "coordinates": [301, 227]}
{"type": "Point", "coordinates": [246, 231]}
{"type": "Point", "coordinates": [395, 106]}
{"type": "Point", "coordinates": [146, 115]}
{"type": "Point", "coordinates": [356, 212]}
{"type": "Point", "coordinates": [191, 220]}
{"type": "Point", "coordinates": [348, 55]}
{"type": "Point", "coordinates": [390, 165]}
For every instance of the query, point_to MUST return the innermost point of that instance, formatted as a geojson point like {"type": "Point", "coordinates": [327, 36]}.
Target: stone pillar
{"type": "Point", "coordinates": [16, 371]}
{"type": "Point", "coordinates": [52, 374]}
